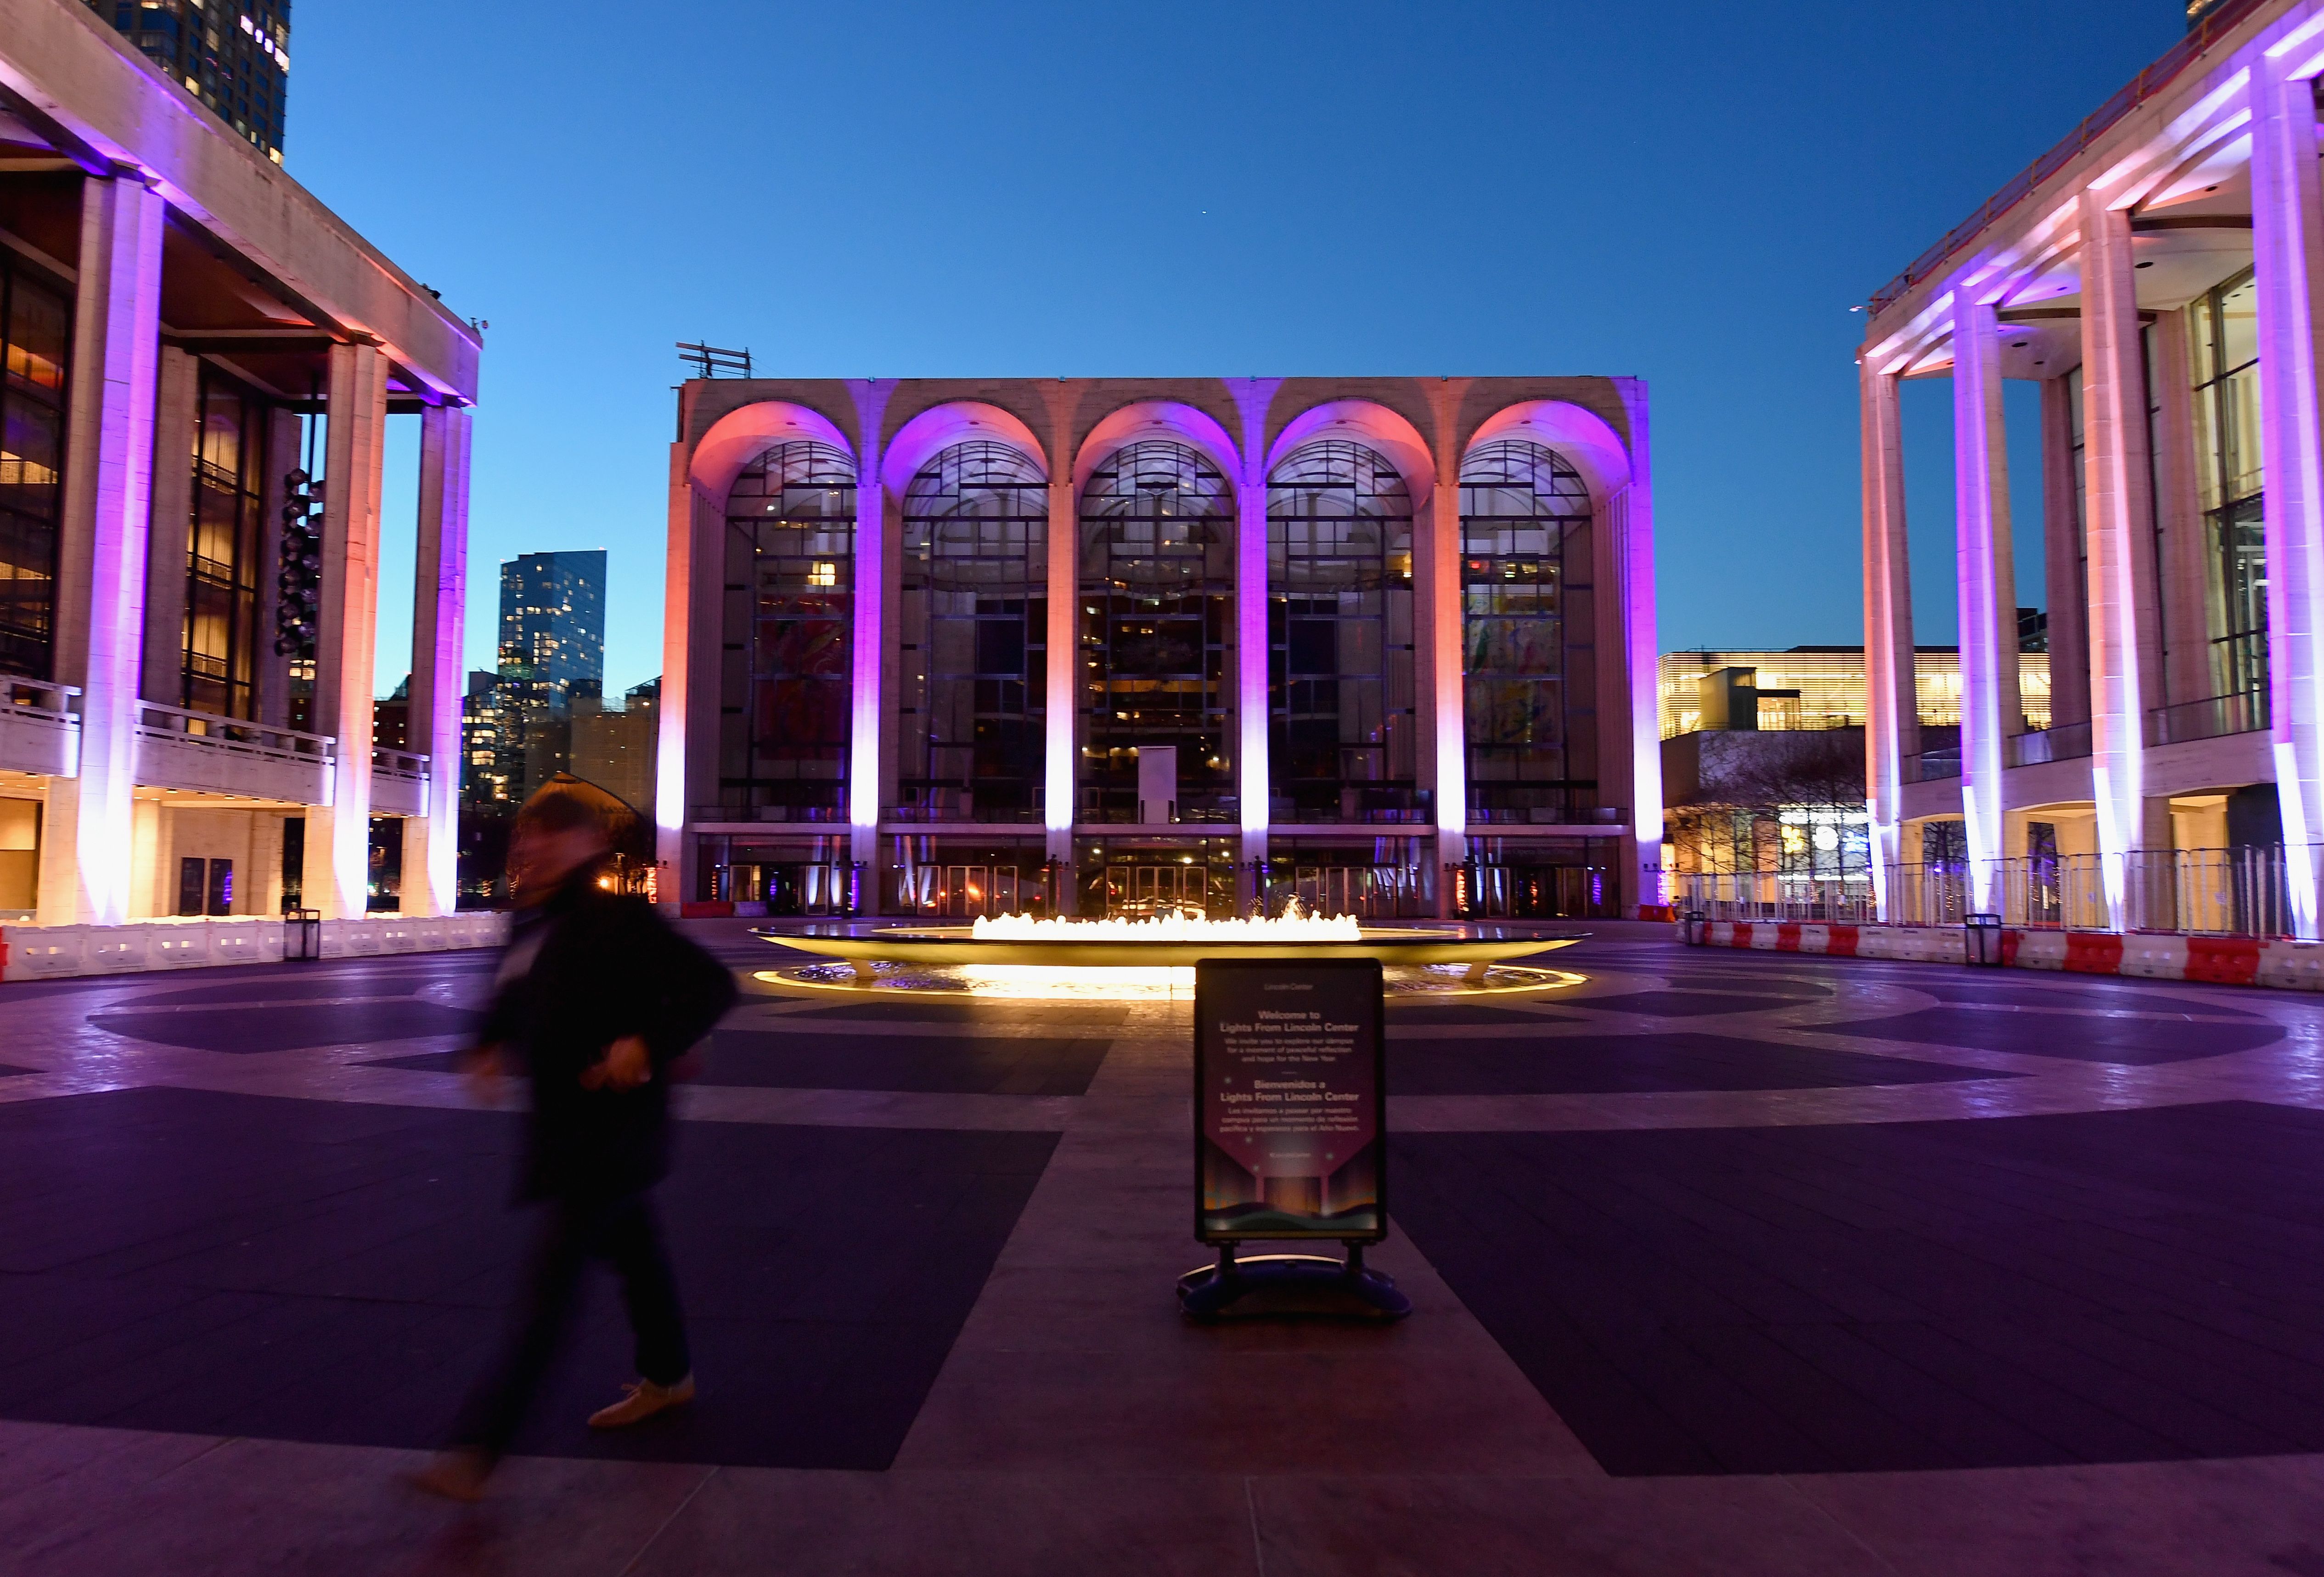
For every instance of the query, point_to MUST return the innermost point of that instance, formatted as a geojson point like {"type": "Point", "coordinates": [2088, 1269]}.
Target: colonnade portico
{"type": "Point", "coordinates": [220, 331]}
{"type": "Point", "coordinates": [1207, 650]}
{"type": "Point", "coordinates": [2157, 276]}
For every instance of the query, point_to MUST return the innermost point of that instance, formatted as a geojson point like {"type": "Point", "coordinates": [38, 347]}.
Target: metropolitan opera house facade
{"type": "Point", "coordinates": [1108, 646]}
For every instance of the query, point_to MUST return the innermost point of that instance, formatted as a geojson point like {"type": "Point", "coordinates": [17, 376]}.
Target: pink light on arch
{"type": "Point", "coordinates": [1622, 500]}
{"type": "Point", "coordinates": [939, 427]}
{"type": "Point", "coordinates": [1582, 436]}
{"type": "Point", "coordinates": [1157, 419]}
{"type": "Point", "coordinates": [741, 437]}
{"type": "Point", "coordinates": [1374, 426]}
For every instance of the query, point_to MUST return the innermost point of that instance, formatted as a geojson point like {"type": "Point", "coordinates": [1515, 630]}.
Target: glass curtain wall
{"type": "Point", "coordinates": [790, 580]}
{"type": "Point", "coordinates": [1156, 585]}
{"type": "Point", "coordinates": [972, 637]}
{"type": "Point", "coordinates": [222, 550]}
{"type": "Point", "coordinates": [35, 330]}
{"type": "Point", "coordinates": [1339, 632]}
{"type": "Point", "coordinates": [1527, 630]}
{"type": "Point", "coordinates": [2223, 339]}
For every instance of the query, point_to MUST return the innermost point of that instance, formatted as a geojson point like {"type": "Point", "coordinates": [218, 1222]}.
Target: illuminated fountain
{"type": "Point", "coordinates": [1021, 957]}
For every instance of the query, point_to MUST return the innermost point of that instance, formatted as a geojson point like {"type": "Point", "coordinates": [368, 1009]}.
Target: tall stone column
{"type": "Point", "coordinates": [2287, 260]}
{"type": "Point", "coordinates": [868, 649]}
{"type": "Point", "coordinates": [1637, 736]}
{"type": "Point", "coordinates": [1892, 717]}
{"type": "Point", "coordinates": [176, 425]}
{"type": "Point", "coordinates": [2120, 535]}
{"type": "Point", "coordinates": [1061, 688]}
{"type": "Point", "coordinates": [688, 717]}
{"type": "Point", "coordinates": [1449, 746]}
{"type": "Point", "coordinates": [1988, 587]}
{"type": "Point", "coordinates": [87, 835]}
{"type": "Point", "coordinates": [1253, 765]}
{"type": "Point", "coordinates": [335, 876]}
{"type": "Point", "coordinates": [440, 587]}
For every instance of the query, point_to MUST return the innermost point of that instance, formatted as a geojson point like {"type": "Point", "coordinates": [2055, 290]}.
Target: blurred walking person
{"type": "Point", "coordinates": [596, 997]}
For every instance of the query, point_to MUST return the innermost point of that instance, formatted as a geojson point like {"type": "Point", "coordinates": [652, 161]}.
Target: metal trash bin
{"type": "Point", "coordinates": [302, 935]}
{"type": "Point", "coordinates": [1697, 928]}
{"type": "Point", "coordinates": [1984, 937]}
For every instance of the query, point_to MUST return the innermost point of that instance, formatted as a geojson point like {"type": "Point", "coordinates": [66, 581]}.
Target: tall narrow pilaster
{"type": "Point", "coordinates": [2287, 261]}
{"type": "Point", "coordinates": [1636, 740]}
{"type": "Point", "coordinates": [1061, 688]}
{"type": "Point", "coordinates": [440, 586]}
{"type": "Point", "coordinates": [867, 646]}
{"type": "Point", "coordinates": [1252, 764]}
{"type": "Point", "coordinates": [87, 838]}
{"type": "Point", "coordinates": [685, 755]}
{"type": "Point", "coordinates": [1988, 587]}
{"type": "Point", "coordinates": [176, 419]}
{"type": "Point", "coordinates": [335, 876]}
{"type": "Point", "coordinates": [2117, 501]}
{"type": "Point", "coordinates": [1438, 538]}
{"type": "Point", "coordinates": [1892, 722]}
{"type": "Point", "coordinates": [2062, 549]}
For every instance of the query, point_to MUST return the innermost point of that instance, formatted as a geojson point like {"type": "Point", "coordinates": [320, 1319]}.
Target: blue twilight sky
{"type": "Point", "coordinates": [1690, 192]}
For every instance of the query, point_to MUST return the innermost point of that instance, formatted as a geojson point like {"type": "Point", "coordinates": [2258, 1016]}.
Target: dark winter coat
{"type": "Point", "coordinates": [603, 967]}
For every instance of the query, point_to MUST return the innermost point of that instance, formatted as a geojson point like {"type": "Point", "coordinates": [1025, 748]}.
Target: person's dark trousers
{"type": "Point", "coordinates": [623, 1231]}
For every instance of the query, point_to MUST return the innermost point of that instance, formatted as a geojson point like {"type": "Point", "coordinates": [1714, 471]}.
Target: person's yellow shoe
{"type": "Point", "coordinates": [642, 1401]}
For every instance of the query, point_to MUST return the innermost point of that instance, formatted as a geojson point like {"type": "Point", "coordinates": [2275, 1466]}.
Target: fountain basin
{"type": "Point", "coordinates": [958, 944]}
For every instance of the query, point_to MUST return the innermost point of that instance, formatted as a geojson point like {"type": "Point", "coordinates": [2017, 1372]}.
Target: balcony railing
{"type": "Point", "coordinates": [412, 765]}
{"type": "Point", "coordinates": [2213, 717]}
{"type": "Point", "coordinates": [2065, 743]}
{"type": "Point", "coordinates": [1931, 766]}
{"type": "Point", "coordinates": [237, 735]}
{"type": "Point", "coordinates": [201, 750]}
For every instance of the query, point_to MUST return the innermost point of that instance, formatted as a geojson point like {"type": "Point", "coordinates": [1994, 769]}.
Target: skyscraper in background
{"type": "Point", "coordinates": [235, 58]}
{"type": "Point", "coordinates": [553, 625]}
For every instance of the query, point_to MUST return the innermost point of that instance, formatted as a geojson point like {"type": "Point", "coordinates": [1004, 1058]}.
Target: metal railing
{"type": "Point", "coordinates": [237, 735]}
{"type": "Point", "coordinates": [2142, 87]}
{"type": "Point", "coordinates": [2064, 742]}
{"type": "Point", "coordinates": [1839, 900]}
{"type": "Point", "coordinates": [2213, 717]}
{"type": "Point", "coordinates": [1931, 766]}
{"type": "Point", "coordinates": [2228, 892]}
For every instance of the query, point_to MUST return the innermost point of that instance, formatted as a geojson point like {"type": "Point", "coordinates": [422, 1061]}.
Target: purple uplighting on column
{"type": "Point", "coordinates": [2116, 471]}
{"type": "Point", "coordinates": [2287, 228]}
{"type": "Point", "coordinates": [1253, 396]}
{"type": "Point", "coordinates": [1888, 680]}
{"type": "Point", "coordinates": [1634, 517]}
{"type": "Point", "coordinates": [117, 340]}
{"type": "Point", "coordinates": [867, 640]}
{"type": "Point", "coordinates": [441, 597]}
{"type": "Point", "coordinates": [1981, 505]}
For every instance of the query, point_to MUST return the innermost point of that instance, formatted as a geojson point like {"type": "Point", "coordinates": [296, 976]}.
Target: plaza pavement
{"type": "Point", "coordinates": [1720, 1263]}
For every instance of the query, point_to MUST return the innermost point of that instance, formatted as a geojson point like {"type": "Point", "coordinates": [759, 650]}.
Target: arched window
{"type": "Point", "coordinates": [790, 593]}
{"type": "Point", "coordinates": [1527, 629]}
{"type": "Point", "coordinates": [972, 638]}
{"type": "Point", "coordinates": [1339, 635]}
{"type": "Point", "coordinates": [1157, 629]}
